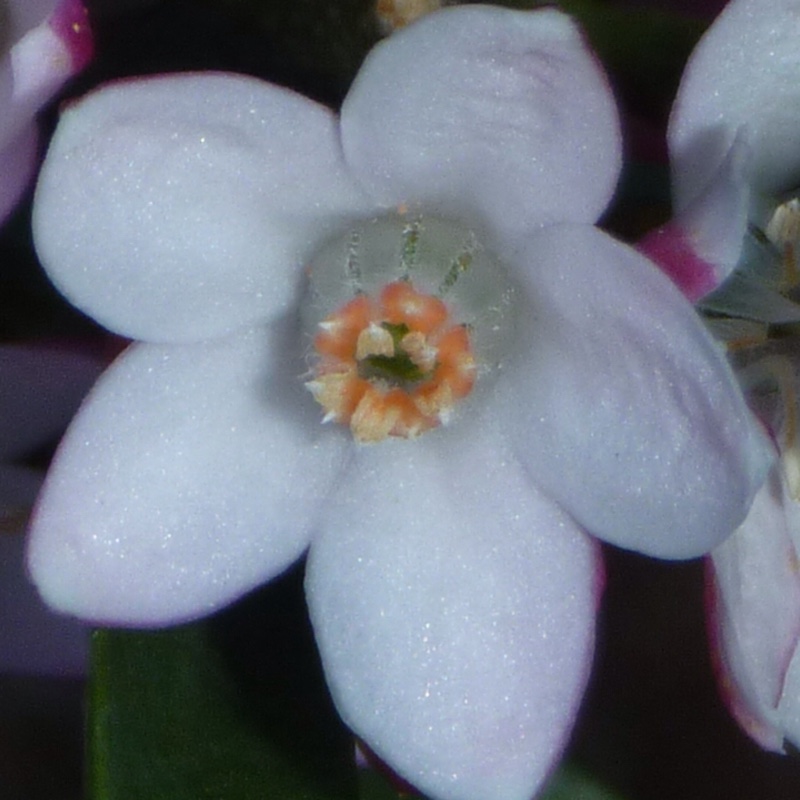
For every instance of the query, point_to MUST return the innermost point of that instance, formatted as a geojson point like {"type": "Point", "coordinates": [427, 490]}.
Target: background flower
{"type": "Point", "coordinates": [733, 142]}
{"type": "Point", "coordinates": [42, 44]}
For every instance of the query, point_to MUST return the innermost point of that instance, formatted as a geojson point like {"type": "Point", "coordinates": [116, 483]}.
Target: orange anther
{"type": "Point", "coordinates": [338, 334]}
{"type": "Point", "coordinates": [391, 399]}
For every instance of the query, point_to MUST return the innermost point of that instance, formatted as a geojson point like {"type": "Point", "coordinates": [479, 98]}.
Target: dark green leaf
{"type": "Point", "coordinates": [233, 708]}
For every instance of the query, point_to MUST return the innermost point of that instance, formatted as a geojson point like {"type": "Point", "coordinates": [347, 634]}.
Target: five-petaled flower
{"type": "Point", "coordinates": [426, 263]}
{"type": "Point", "coordinates": [735, 246]}
{"type": "Point", "coordinates": [48, 41]}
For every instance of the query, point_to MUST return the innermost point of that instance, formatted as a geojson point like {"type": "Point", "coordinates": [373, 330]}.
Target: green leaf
{"type": "Point", "coordinates": [572, 783]}
{"type": "Point", "coordinates": [232, 708]}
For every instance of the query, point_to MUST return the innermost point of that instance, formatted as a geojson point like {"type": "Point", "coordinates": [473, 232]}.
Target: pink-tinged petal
{"type": "Point", "coordinates": [33, 639]}
{"type": "Point", "coordinates": [741, 77]}
{"type": "Point", "coordinates": [486, 112]}
{"type": "Point", "coordinates": [182, 207]}
{"type": "Point", "coordinates": [671, 249]}
{"type": "Point", "coordinates": [622, 406]}
{"type": "Point", "coordinates": [454, 607]}
{"type": "Point", "coordinates": [41, 388]}
{"type": "Point", "coordinates": [755, 619]}
{"type": "Point", "coordinates": [701, 247]}
{"type": "Point", "coordinates": [48, 48]}
{"type": "Point", "coordinates": [192, 474]}
{"type": "Point", "coordinates": [71, 24]}
{"type": "Point", "coordinates": [17, 165]}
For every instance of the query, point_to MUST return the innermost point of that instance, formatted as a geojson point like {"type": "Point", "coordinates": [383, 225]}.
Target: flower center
{"type": "Point", "coordinates": [761, 298]}
{"type": "Point", "coordinates": [404, 317]}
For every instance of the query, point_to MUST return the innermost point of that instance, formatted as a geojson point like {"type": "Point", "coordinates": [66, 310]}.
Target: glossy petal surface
{"type": "Point", "coordinates": [757, 612]}
{"type": "Point", "coordinates": [742, 75]}
{"type": "Point", "coordinates": [621, 405]}
{"type": "Point", "coordinates": [485, 112]}
{"type": "Point", "coordinates": [454, 608]}
{"type": "Point", "coordinates": [181, 207]}
{"type": "Point", "coordinates": [191, 475]}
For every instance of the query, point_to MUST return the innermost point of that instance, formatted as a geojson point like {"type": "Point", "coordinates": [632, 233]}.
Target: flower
{"type": "Point", "coordinates": [734, 147]}
{"type": "Point", "coordinates": [529, 377]}
{"type": "Point", "coordinates": [733, 247]}
{"type": "Point", "coordinates": [754, 578]}
{"type": "Point", "coordinates": [41, 389]}
{"type": "Point", "coordinates": [44, 42]}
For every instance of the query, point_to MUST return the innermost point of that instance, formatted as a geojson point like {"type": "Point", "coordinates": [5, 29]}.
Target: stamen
{"type": "Point", "coordinates": [390, 357]}
{"type": "Point", "coordinates": [400, 373]}
{"type": "Point", "coordinates": [778, 371]}
{"type": "Point", "coordinates": [408, 259]}
{"type": "Point", "coordinates": [783, 230]}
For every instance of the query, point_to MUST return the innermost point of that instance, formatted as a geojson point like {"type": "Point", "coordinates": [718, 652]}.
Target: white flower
{"type": "Point", "coordinates": [450, 581]}
{"type": "Point", "coordinates": [42, 43]}
{"type": "Point", "coordinates": [735, 147]}
{"type": "Point", "coordinates": [734, 143]}
{"type": "Point", "coordinates": [754, 579]}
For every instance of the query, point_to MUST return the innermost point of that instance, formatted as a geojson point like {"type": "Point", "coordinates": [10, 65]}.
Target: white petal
{"type": "Point", "coordinates": [181, 207]}
{"type": "Point", "coordinates": [454, 609]}
{"type": "Point", "coordinates": [478, 110]}
{"type": "Point", "coordinates": [33, 639]}
{"type": "Point", "coordinates": [41, 388]}
{"type": "Point", "coordinates": [622, 406]}
{"type": "Point", "coordinates": [715, 222]}
{"type": "Point", "coordinates": [743, 74]}
{"type": "Point", "coordinates": [757, 613]}
{"type": "Point", "coordinates": [192, 474]}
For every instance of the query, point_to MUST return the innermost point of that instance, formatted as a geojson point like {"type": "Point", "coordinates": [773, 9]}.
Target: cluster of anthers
{"type": "Point", "coordinates": [394, 365]}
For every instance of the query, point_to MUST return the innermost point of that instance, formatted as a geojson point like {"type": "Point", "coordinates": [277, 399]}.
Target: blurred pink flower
{"type": "Point", "coordinates": [42, 44]}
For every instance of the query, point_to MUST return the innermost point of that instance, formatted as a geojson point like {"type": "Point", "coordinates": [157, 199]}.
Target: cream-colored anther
{"type": "Point", "coordinates": [374, 341]}
{"type": "Point", "coordinates": [784, 224]}
{"type": "Point", "coordinates": [416, 346]}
